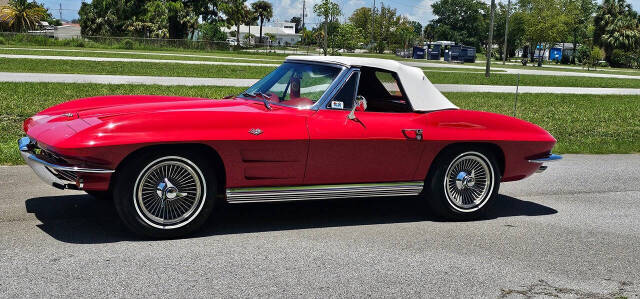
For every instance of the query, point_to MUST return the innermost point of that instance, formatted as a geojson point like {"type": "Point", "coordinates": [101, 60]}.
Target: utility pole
{"type": "Point", "coordinates": [506, 33]}
{"type": "Point", "coordinates": [303, 11]}
{"type": "Point", "coordinates": [373, 20]}
{"type": "Point", "coordinates": [60, 11]}
{"type": "Point", "coordinates": [487, 71]}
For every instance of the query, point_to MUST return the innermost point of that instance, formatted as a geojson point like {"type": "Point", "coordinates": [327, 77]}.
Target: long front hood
{"type": "Point", "coordinates": [65, 120]}
{"type": "Point", "coordinates": [114, 105]}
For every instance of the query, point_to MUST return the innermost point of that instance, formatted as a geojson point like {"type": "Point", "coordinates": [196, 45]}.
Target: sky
{"type": "Point", "coordinates": [417, 10]}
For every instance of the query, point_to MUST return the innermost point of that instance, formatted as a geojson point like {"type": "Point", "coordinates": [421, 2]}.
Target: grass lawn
{"type": "Point", "coordinates": [528, 80]}
{"type": "Point", "coordinates": [133, 68]}
{"type": "Point", "coordinates": [582, 124]}
{"type": "Point", "coordinates": [443, 76]}
{"type": "Point", "coordinates": [79, 52]}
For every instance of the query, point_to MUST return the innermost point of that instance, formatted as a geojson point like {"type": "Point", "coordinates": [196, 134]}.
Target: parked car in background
{"type": "Point", "coordinates": [314, 128]}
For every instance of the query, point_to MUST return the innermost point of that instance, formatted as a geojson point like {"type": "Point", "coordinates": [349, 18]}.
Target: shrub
{"type": "Point", "coordinates": [78, 43]}
{"type": "Point", "coordinates": [582, 53]}
{"type": "Point", "coordinates": [2, 41]}
{"type": "Point", "coordinates": [127, 44]}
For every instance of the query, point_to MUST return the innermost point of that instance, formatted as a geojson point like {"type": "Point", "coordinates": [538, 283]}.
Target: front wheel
{"type": "Point", "coordinates": [463, 184]}
{"type": "Point", "coordinates": [165, 195]}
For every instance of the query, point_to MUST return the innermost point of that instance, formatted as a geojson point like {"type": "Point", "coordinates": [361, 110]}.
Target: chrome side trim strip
{"type": "Point", "coordinates": [295, 193]}
{"type": "Point", "coordinates": [550, 158]}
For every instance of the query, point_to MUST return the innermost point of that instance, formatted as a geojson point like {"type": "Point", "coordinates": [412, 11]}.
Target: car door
{"type": "Point", "coordinates": [374, 147]}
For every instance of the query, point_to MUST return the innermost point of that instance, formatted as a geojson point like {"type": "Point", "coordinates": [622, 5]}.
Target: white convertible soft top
{"type": "Point", "coordinates": [419, 90]}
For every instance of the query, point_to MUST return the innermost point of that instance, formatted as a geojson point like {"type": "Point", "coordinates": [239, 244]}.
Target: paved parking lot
{"type": "Point", "coordinates": [573, 231]}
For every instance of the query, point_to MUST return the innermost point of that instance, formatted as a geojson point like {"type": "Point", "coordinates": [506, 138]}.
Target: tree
{"type": "Point", "coordinates": [417, 27]}
{"type": "Point", "coordinates": [264, 10]}
{"type": "Point", "coordinates": [20, 15]}
{"type": "Point", "coordinates": [348, 37]}
{"type": "Point", "coordinates": [111, 17]}
{"type": "Point", "coordinates": [206, 9]}
{"type": "Point", "coordinates": [307, 36]}
{"type": "Point", "coordinates": [616, 26]}
{"type": "Point", "coordinates": [385, 24]}
{"type": "Point", "coordinates": [211, 31]}
{"type": "Point", "coordinates": [298, 22]}
{"type": "Point", "coordinates": [546, 25]}
{"type": "Point", "coordinates": [361, 19]}
{"type": "Point", "coordinates": [429, 32]}
{"type": "Point", "coordinates": [330, 11]}
{"type": "Point", "coordinates": [236, 12]}
{"type": "Point", "coordinates": [251, 19]}
{"type": "Point", "coordinates": [579, 13]}
{"type": "Point", "coordinates": [516, 29]}
{"type": "Point", "coordinates": [270, 37]}
{"type": "Point", "coordinates": [404, 34]}
{"type": "Point", "coordinates": [461, 21]}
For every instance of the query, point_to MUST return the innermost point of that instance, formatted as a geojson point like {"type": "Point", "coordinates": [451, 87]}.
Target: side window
{"type": "Point", "coordinates": [345, 97]}
{"type": "Point", "coordinates": [390, 83]}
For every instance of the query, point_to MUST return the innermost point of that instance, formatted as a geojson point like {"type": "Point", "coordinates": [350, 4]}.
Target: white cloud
{"type": "Point", "coordinates": [422, 12]}
{"type": "Point", "coordinates": [356, 3]}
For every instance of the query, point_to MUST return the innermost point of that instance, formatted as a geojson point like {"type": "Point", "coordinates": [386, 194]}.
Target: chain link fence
{"type": "Point", "coordinates": [51, 38]}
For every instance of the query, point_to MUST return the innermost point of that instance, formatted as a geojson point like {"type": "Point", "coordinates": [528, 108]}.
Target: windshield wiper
{"type": "Point", "coordinates": [262, 95]}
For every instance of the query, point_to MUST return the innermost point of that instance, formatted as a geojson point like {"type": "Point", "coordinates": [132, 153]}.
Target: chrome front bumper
{"type": "Point", "coordinates": [550, 158]}
{"type": "Point", "coordinates": [59, 176]}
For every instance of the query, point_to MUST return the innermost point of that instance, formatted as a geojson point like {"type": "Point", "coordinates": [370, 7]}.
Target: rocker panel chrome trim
{"type": "Point", "coordinates": [313, 192]}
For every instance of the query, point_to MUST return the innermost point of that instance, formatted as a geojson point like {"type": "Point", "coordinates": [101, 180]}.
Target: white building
{"type": "Point", "coordinates": [284, 32]}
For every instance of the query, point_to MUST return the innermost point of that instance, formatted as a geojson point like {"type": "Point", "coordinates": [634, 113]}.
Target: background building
{"type": "Point", "coordinates": [284, 32]}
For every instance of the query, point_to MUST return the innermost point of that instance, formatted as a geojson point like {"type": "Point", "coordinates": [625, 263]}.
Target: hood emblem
{"type": "Point", "coordinates": [256, 131]}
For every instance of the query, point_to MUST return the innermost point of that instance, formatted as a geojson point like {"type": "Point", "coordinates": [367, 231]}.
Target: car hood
{"type": "Point", "coordinates": [105, 106]}
{"type": "Point", "coordinates": [77, 115]}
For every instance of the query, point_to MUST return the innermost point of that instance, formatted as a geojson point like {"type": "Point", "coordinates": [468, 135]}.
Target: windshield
{"type": "Point", "coordinates": [294, 84]}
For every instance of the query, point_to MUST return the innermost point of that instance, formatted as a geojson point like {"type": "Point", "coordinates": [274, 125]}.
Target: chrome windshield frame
{"type": "Point", "coordinates": [335, 84]}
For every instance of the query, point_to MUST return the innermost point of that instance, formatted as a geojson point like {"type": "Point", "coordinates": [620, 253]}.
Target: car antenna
{"type": "Point", "coordinates": [515, 103]}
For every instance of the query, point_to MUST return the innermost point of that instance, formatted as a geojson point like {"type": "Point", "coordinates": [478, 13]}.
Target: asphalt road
{"type": "Point", "coordinates": [573, 231]}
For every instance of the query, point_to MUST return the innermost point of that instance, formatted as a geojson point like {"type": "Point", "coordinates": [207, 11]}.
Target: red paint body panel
{"type": "Point", "coordinates": [295, 147]}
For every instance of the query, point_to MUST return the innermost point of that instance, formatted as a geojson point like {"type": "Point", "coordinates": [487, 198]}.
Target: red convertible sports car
{"type": "Point", "coordinates": [314, 128]}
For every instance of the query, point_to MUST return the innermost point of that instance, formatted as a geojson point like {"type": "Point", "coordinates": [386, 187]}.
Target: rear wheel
{"type": "Point", "coordinates": [463, 184]}
{"type": "Point", "coordinates": [165, 195]}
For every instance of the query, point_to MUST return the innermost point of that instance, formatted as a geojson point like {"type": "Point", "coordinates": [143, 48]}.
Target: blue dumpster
{"type": "Point", "coordinates": [468, 54]}
{"type": "Point", "coordinates": [460, 53]}
{"type": "Point", "coordinates": [555, 54]}
{"type": "Point", "coordinates": [418, 53]}
{"type": "Point", "coordinates": [433, 52]}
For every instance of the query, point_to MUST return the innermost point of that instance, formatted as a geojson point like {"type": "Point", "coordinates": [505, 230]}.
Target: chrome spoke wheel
{"type": "Point", "coordinates": [169, 192]}
{"type": "Point", "coordinates": [469, 181]}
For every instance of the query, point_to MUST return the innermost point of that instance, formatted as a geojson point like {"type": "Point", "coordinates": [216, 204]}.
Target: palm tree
{"type": "Point", "coordinates": [264, 11]}
{"type": "Point", "coordinates": [236, 12]}
{"type": "Point", "coordinates": [21, 15]}
{"type": "Point", "coordinates": [250, 19]}
{"type": "Point", "coordinates": [613, 21]}
{"type": "Point", "coordinates": [623, 33]}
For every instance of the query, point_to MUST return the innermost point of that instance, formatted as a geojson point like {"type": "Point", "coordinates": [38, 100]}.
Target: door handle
{"type": "Point", "coordinates": [412, 134]}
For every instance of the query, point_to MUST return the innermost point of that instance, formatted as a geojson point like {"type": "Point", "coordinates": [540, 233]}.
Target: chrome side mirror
{"type": "Point", "coordinates": [359, 104]}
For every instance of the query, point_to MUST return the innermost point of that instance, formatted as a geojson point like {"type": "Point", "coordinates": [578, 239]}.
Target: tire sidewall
{"type": "Point", "coordinates": [125, 194]}
{"type": "Point", "coordinates": [437, 196]}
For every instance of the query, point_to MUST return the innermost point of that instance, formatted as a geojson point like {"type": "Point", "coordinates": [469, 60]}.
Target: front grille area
{"type": "Point", "coordinates": [64, 175]}
{"type": "Point", "coordinates": [52, 158]}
